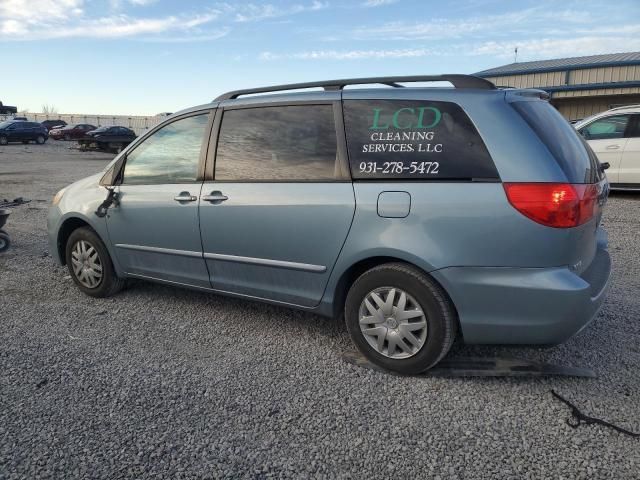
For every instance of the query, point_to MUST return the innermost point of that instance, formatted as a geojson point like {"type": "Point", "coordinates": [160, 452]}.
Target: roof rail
{"type": "Point", "coordinates": [636, 105]}
{"type": "Point", "coordinates": [458, 81]}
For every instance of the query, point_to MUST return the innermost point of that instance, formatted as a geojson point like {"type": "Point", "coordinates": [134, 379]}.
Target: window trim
{"type": "Point", "coordinates": [341, 147]}
{"type": "Point", "coordinates": [203, 147]}
{"type": "Point", "coordinates": [625, 134]}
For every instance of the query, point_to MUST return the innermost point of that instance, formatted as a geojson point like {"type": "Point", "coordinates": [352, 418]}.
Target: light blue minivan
{"type": "Point", "coordinates": [417, 214]}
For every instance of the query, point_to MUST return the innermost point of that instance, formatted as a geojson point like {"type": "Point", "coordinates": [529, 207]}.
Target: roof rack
{"type": "Point", "coordinates": [458, 81]}
{"type": "Point", "coordinates": [624, 106]}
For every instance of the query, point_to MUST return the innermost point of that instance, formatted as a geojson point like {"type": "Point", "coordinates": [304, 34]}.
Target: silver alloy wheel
{"type": "Point", "coordinates": [393, 322]}
{"type": "Point", "coordinates": [86, 264]}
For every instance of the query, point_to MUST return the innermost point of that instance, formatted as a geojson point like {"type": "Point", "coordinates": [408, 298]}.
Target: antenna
{"type": "Point", "coordinates": [515, 55]}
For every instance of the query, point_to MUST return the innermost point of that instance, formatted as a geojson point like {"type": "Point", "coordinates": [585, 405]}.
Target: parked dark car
{"type": "Point", "coordinates": [21, 131]}
{"type": "Point", "coordinates": [51, 124]}
{"type": "Point", "coordinates": [71, 132]}
{"type": "Point", "coordinates": [108, 139]}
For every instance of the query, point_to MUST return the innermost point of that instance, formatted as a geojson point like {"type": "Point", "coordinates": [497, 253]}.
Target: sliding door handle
{"type": "Point", "coordinates": [215, 197]}
{"type": "Point", "coordinates": [185, 197]}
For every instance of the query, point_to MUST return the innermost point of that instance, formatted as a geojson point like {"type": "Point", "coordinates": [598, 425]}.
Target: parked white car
{"type": "Point", "coordinates": [614, 136]}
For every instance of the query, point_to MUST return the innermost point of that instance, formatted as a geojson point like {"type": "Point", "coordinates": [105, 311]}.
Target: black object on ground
{"type": "Point", "coordinates": [483, 367]}
{"type": "Point", "coordinates": [5, 241]}
{"type": "Point", "coordinates": [16, 202]}
{"type": "Point", "coordinates": [581, 418]}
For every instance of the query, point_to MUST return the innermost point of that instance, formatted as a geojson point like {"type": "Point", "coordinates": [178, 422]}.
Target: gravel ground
{"type": "Point", "coordinates": [159, 382]}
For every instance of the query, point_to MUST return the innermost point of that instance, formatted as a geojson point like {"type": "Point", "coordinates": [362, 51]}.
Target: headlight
{"type": "Point", "coordinates": [58, 197]}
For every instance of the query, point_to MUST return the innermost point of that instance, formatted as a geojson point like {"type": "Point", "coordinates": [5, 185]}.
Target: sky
{"type": "Point", "coordinates": [143, 57]}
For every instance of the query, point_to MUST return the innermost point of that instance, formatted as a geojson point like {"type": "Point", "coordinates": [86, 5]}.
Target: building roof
{"type": "Point", "coordinates": [560, 64]}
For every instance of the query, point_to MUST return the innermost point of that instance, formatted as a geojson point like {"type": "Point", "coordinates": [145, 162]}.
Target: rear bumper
{"type": "Point", "coordinates": [526, 305]}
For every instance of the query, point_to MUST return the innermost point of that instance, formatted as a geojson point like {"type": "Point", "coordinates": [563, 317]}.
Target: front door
{"type": "Point", "coordinates": [275, 218]}
{"type": "Point", "coordinates": [155, 228]}
{"type": "Point", "coordinates": [630, 165]}
{"type": "Point", "coordinates": [606, 136]}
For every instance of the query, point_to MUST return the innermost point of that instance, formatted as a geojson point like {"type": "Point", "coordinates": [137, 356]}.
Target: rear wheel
{"type": "Point", "coordinates": [90, 265]}
{"type": "Point", "coordinates": [40, 139]}
{"type": "Point", "coordinates": [399, 318]}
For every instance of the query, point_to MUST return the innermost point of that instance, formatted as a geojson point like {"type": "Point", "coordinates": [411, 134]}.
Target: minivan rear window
{"type": "Point", "coordinates": [571, 152]}
{"type": "Point", "coordinates": [414, 140]}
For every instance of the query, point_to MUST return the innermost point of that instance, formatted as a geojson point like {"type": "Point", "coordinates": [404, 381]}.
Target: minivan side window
{"type": "Point", "coordinates": [414, 140]}
{"type": "Point", "coordinates": [169, 155]}
{"type": "Point", "coordinates": [279, 143]}
{"type": "Point", "coordinates": [607, 127]}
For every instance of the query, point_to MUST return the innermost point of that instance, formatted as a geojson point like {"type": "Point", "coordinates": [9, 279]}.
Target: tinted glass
{"type": "Point", "coordinates": [562, 140]}
{"type": "Point", "coordinates": [608, 127]}
{"type": "Point", "coordinates": [170, 155]}
{"type": "Point", "coordinates": [277, 143]}
{"type": "Point", "coordinates": [414, 140]}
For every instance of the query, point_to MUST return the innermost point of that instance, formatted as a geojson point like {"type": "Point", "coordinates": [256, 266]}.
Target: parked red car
{"type": "Point", "coordinates": [71, 132]}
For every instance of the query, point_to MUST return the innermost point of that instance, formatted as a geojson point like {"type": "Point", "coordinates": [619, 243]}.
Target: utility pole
{"type": "Point", "coordinates": [515, 55]}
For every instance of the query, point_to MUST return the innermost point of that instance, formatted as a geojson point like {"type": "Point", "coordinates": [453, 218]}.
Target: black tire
{"type": "Point", "coordinates": [40, 139]}
{"type": "Point", "coordinates": [26, 142]}
{"type": "Point", "coordinates": [3, 140]}
{"type": "Point", "coordinates": [439, 312]}
{"type": "Point", "coordinates": [5, 241]}
{"type": "Point", "coordinates": [67, 137]}
{"type": "Point", "coordinates": [110, 283]}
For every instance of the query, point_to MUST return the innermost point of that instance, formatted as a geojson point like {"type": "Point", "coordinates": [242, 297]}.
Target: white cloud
{"type": "Point", "coordinates": [348, 54]}
{"type": "Point", "coordinates": [67, 19]}
{"type": "Point", "coordinates": [254, 12]}
{"type": "Point", "coordinates": [531, 20]}
{"type": "Point", "coordinates": [378, 3]}
{"type": "Point", "coordinates": [29, 9]}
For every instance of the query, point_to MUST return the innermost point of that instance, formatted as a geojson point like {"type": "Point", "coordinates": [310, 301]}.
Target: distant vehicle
{"type": "Point", "coordinates": [71, 132]}
{"type": "Point", "coordinates": [51, 124]}
{"type": "Point", "coordinates": [21, 131]}
{"type": "Point", "coordinates": [107, 139]}
{"type": "Point", "coordinates": [19, 119]}
{"type": "Point", "coordinates": [614, 136]}
{"type": "Point", "coordinates": [7, 109]}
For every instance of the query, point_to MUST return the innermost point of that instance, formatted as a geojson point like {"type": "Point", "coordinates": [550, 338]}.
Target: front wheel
{"type": "Point", "coordinates": [67, 137]}
{"type": "Point", "coordinates": [90, 265]}
{"type": "Point", "coordinates": [3, 140]}
{"type": "Point", "coordinates": [399, 318]}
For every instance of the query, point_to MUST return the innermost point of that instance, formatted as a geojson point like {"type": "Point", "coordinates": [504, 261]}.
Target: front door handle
{"type": "Point", "coordinates": [613, 147]}
{"type": "Point", "coordinates": [216, 197]}
{"type": "Point", "coordinates": [185, 197]}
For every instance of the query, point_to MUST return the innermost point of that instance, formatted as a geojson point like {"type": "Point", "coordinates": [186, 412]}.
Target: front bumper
{"type": "Point", "coordinates": [526, 305]}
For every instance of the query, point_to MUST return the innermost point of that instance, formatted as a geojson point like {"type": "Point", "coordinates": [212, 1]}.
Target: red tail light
{"type": "Point", "coordinates": [559, 205]}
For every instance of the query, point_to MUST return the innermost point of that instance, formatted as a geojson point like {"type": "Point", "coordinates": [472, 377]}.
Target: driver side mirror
{"type": "Point", "coordinates": [114, 174]}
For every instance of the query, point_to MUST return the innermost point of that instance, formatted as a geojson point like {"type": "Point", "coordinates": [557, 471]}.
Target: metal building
{"type": "Point", "coordinates": [579, 86]}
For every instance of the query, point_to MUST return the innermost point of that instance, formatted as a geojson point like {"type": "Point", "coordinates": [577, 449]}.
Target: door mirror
{"type": "Point", "coordinates": [113, 175]}
{"type": "Point", "coordinates": [604, 166]}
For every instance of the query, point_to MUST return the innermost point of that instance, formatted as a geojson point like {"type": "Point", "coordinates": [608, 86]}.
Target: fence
{"type": "Point", "coordinates": [138, 124]}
